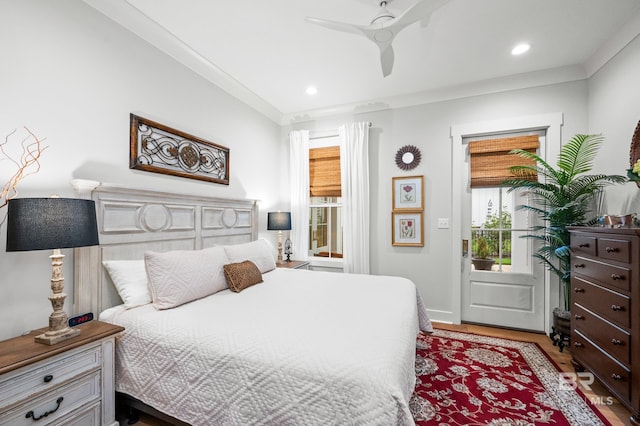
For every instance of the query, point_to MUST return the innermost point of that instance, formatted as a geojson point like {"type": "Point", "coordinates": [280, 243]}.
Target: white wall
{"type": "Point", "coordinates": [614, 111]}
{"type": "Point", "coordinates": [73, 76]}
{"type": "Point", "coordinates": [428, 127]}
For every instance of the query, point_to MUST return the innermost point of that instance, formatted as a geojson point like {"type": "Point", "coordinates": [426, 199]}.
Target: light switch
{"type": "Point", "coordinates": [443, 223]}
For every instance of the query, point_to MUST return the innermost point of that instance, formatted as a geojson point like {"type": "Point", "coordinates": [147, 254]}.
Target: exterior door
{"type": "Point", "coordinates": [510, 292]}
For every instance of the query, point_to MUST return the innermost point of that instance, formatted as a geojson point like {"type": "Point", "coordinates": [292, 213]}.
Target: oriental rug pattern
{"type": "Point", "coordinates": [468, 379]}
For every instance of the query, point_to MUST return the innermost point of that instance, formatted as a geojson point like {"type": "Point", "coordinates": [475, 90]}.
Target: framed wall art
{"type": "Point", "coordinates": [408, 193]}
{"type": "Point", "coordinates": [407, 229]}
{"type": "Point", "coordinates": [157, 148]}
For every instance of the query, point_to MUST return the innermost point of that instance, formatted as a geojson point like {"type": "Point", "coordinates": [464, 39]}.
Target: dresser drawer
{"type": "Point", "coordinates": [84, 417]}
{"type": "Point", "coordinates": [613, 375]}
{"type": "Point", "coordinates": [612, 249]}
{"type": "Point", "coordinates": [607, 303]}
{"type": "Point", "coordinates": [19, 385]}
{"type": "Point", "coordinates": [583, 245]}
{"type": "Point", "coordinates": [58, 403]}
{"type": "Point", "coordinates": [614, 276]}
{"type": "Point", "coordinates": [610, 338]}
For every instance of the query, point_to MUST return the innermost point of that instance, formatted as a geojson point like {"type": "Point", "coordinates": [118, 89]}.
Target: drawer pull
{"type": "Point", "coordinates": [30, 414]}
{"type": "Point", "coordinates": [579, 317]}
{"type": "Point", "coordinates": [615, 376]}
{"type": "Point", "coordinates": [579, 265]}
{"type": "Point", "coordinates": [611, 249]}
{"type": "Point", "coordinates": [578, 344]}
{"type": "Point", "coordinates": [617, 308]}
{"type": "Point", "coordinates": [616, 341]}
{"type": "Point", "coordinates": [616, 277]}
{"type": "Point", "coordinates": [48, 378]}
{"type": "Point", "coordinates": [578, 290]}
{"type": "Point", "coordinates": [583, 245]}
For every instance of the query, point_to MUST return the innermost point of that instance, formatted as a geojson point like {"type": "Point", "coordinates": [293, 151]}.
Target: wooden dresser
{"type": "Point", "coordinates": [605, 311]}
{"type": "Point", "coordinates": [71, 383]}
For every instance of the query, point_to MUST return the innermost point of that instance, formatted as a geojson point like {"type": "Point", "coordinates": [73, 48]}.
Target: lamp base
{"type": "Point", "coordinates": [55, 337]}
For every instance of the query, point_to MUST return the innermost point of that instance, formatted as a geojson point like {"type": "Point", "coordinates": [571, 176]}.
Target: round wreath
{"type": "Point", "coordinates": [411, 150]}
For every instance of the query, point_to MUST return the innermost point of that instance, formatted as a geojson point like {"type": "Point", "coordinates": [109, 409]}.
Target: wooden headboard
{"type": "Point", "coordinates": [132, 221]}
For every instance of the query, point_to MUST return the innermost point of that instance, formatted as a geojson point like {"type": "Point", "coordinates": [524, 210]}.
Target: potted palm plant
{"type": "Point", "coordinates": [562, 198]}
{"type": "Point", "coordinates": [481, 260]}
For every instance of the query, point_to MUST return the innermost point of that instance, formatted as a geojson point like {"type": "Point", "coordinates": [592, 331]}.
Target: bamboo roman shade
{"type": "Point", "coordinates": [324, 172]}
{"type": "Point", "coordinates": [490, 159]}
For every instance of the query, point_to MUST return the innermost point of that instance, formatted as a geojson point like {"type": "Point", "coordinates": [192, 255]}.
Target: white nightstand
{"type": "Point", "coordinates": [293, 264]}
{"type": "Point", "coordinates": [71, 383]}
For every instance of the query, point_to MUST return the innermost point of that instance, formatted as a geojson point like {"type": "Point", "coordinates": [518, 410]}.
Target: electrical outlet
{"type": "Point", "coordinates": [443, 223]}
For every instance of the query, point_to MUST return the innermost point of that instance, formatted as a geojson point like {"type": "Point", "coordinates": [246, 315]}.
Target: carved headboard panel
{"type": "Point", "coordinates": [132, 221]}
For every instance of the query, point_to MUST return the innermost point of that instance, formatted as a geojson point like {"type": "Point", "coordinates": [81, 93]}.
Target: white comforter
{"type": "Point", "coordinates": [302, 348]}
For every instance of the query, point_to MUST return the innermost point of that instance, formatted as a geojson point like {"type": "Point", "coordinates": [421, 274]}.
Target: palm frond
{"type": "Point", "coordinates": [577, 155]}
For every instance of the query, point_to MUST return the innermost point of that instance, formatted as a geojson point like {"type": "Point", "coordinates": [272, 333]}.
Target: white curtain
{"type": "Point", "coordinates": [354, 168]}
{"type": "Point", "coordinates": [299, 172]}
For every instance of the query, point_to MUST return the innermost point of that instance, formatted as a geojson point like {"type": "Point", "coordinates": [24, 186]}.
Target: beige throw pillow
{"type": "Point", "coordinates": [242, 275]}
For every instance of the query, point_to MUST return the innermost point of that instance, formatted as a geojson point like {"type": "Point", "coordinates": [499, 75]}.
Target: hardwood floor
{"type": "Point", "coordinates": [615, 413]}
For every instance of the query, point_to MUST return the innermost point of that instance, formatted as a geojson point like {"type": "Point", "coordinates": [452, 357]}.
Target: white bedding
{"type": "Point", "coordinates": [301, 348]}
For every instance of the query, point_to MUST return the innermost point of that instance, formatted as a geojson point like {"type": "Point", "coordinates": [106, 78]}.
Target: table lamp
{"type": "Point", "coordinates": [279, 221]}
{"type": "Point", "coordinates": [52, 223]}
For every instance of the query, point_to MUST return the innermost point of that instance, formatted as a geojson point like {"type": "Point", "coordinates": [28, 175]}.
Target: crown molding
{"type": "Point", "coordinates": [134, 20]}
{"type": "Point", "coordinates": [613, 45]}
{"type": "Point", "coordinates": [495, 85]}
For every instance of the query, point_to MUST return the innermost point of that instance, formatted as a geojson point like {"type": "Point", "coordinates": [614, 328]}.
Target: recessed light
{"type": "Point", "coordinates": [520, 49]}
{"type": "Point", "coordinates": [311, 90]}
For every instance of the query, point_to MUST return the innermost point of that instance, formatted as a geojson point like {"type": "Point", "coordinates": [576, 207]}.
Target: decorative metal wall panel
{"type": "Point", "coordinates": [161, 149]}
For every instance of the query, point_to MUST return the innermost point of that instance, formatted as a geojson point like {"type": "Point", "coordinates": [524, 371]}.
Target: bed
{"type": "Point", "coordinates": [299, 347]}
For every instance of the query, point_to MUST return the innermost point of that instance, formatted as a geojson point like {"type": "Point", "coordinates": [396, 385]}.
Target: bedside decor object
{"type": "Point", "coordinates": [279, 221]}
{"type": "Point", "coordinates": [408, 193]}
{"type": "Point", "coordinates": [408, 157]}
{"type": "Point", "coordinates": [634, 157]}
{"type": "Point", "coordinates": [407, 229]}
{"type": "Point", "coordinates": [26, 158]}
{"type": "Point", "coordinates": [287, 249]}
{"type": "Point", "coordinates": [161, 149]}
{"type": "Point", "coordinates": [52, 223]}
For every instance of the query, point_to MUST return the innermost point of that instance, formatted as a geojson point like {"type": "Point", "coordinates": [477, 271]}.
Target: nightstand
{"type": "Point", "coordinates": [293, 264]}
{"type": "Point", "coordinates": [71, 383]}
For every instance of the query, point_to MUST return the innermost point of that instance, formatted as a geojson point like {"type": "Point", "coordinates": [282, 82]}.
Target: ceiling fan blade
{"type": "Point", "coordinates": [338, 26]}
{"type": "Point", "coordinates": [418, 11]}
{"type": "Point", "coordinates": [386, 59]}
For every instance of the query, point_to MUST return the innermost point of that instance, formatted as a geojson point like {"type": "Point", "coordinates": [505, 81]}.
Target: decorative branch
{"type": "Point", "coordinates": [27, 163]}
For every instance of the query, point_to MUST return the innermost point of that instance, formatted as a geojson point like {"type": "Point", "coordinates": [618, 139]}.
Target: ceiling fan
{"type": "Point", "coordinates": [384, 27]}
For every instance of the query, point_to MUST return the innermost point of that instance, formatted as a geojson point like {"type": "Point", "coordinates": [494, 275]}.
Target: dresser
{"type": "Point", "coordinates": [605, 311]}
{"type": "Point", "coordinates": [71, 383]}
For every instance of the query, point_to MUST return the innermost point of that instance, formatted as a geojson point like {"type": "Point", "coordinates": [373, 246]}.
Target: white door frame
{"type": "Point", "coordinates": [553, 124]}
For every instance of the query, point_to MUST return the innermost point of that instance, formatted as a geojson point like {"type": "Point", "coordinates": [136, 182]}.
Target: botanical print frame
{"type": "Point", "coordinates": [407, 229]}
{"type": "Point", "coordinates": [157, 148]}
{"type": "Point", "coordinates": [408, 193]}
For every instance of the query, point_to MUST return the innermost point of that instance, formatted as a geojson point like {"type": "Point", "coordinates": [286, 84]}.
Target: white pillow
{"type": "Point", "coordinates": [130, 279]}
{"type": "Point", "coordinates": [178, 277]}
{"type": "Point", "coordinates": [259, 252]}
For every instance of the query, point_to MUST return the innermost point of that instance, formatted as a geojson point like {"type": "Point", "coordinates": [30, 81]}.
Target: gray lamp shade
{"type": "Point", "coordinates": [278, 221]}
{"type": "Point", "coordinates": [50, 223]}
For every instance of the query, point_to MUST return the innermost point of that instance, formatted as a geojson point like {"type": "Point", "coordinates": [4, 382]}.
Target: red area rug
{"type": "Point", "coordinates": [468, 379]}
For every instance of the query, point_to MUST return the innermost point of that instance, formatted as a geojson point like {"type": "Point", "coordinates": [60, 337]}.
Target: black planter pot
{"type": "Point", "coordinates": [561, 329]}
{"type": "Point", "coordinates": [483, 264]}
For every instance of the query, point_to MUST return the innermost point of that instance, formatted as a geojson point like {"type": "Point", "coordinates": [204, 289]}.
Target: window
{"type": "Point", "coordinates": [325, 208]}
{"type": "Point", "coordinates": [494, 216]}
